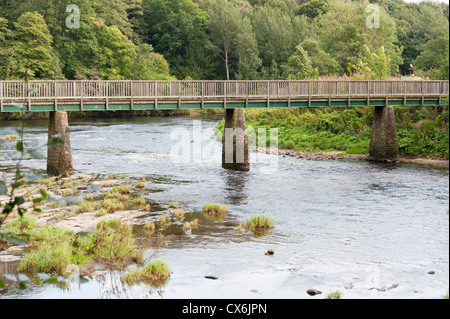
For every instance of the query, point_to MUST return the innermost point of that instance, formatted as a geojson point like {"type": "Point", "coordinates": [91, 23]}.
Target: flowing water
{"type": "Point", "coordinates": [368, 230]}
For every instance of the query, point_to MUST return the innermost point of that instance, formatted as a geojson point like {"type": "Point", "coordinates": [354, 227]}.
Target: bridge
{"type": "Point", "coordinates": [60, 97]}
{"type": "Point", "coordinates": [46, 96]}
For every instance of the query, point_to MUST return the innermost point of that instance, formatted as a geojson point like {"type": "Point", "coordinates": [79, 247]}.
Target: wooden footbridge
{"type": "Point", "coordinates": [45, 96]}
{"type": "Point", "coordinates": [59, 97]}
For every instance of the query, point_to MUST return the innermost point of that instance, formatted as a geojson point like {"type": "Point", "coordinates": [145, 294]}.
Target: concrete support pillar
{"type": "Point", "coordinates": [384, 143]}
{"type": "Point", "coordinates": [235, 153]}
{"type": "Point", "coordinates": [59, 162]}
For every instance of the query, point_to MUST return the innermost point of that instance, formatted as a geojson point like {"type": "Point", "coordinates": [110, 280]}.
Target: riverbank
{"type": "Point", "coordinates": [342, 156]}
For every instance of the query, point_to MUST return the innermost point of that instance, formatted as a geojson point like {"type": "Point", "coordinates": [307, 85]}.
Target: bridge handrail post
{"type": "Point", "coordinates": [309, 93]}
{"type": "Point", "coordinates": [349, 92]}
{"type": "Point", "coordinates": [289, 94]}
{"type": "Point", "coordinates": [156, 95]}
{"type": "Point", "coordinates": [131, 96]}
{"type": "Point", "coordinates": [203, 94]}
{"type": "Point", "coordinates": [1, 96]}
{"type": "Point", "coordinates": [224, 94]}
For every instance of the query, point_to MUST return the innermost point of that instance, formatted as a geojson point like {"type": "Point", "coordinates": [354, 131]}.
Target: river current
{"type": "Point", "coordinates": [368, 230]}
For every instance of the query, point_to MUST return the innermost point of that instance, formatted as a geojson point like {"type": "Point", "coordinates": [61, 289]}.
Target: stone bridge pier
{"type": "Point", "coordinates": [384, 142]}
{"type": "Point", "coordinates": [59, 162]}
{"type": "Point", "coordinates": [235, 152]}
{"type": "Point", "coordinates": [235, 149]}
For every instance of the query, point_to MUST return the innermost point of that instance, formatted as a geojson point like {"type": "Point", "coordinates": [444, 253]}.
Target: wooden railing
{"type": "Point", "coordinates": [10, 90]}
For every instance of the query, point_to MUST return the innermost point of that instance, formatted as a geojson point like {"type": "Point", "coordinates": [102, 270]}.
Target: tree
{"type": "Point", "coordinates": [114, 53]}
{"type": "Point", "coordinates": [343, 33]}
{"type": "Point", "coordinates": [299, 66]}
{"type": "Point", "coordinates": [174, 28]}
{"type": "Point", "coordinates": [372, 66]}
{"type": "Point", "coordinates": [5, 49]}
{"type": "Point", "coordinates": [231, 37]}
{"type": "Point", "coordinates": [320, 59]}
{"type": "Point", "coordinates": [150, 65]}
{"type": "Point", "coordinates": [435, 58]}
{"type": "Point", "coordinates": [312, 8]}
{"type": "Point", "coordinates": [277, 35]}
{"type": "Point", "coordinates": [32, 48]}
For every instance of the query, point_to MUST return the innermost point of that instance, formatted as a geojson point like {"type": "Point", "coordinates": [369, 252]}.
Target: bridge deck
{"type": "Point", "coordinates": [40, 96]}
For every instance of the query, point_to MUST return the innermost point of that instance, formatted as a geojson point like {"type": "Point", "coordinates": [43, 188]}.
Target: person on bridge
{"type": "Point", "coordinates": [411, 70]}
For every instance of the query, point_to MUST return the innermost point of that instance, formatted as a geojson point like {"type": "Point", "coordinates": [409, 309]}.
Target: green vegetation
{"type": "Point", "coordinates": [178, 213]}
{"type": "Point", "coordinates": [124, 189]}
{"type": "Point", "coordinates": [149, 226]}
{"type": "Point", "coordinates": [422, 131]}
{"type": "Point", "coordinates": [215, 209]}
{"type": "Point", "coordinates": [335, 295]}
{"type": "Point", "coordinates": [187, 227]}
{"type": "Point", "coordinates": [259, 222]}
{"type": "Point", "coordinates": [53, 249]}
{"type": "Point", "coordinates": [174, 205]}
{"type": "Point", "coordinates": [218, 39]}
{"type": "Point", "coordinates": [154, 273]}
{"type": "Point", "coordinates": [114, 244]}
{"type": "Point", "coordinates": [141, 184]}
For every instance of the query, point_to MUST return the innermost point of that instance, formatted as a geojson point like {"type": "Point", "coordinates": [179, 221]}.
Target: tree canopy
{"type": "Point", "coordinates": [221, 39]}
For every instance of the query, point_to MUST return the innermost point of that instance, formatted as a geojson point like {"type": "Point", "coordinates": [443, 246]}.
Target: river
{"type": "Point", "coordinates": [368, 230]}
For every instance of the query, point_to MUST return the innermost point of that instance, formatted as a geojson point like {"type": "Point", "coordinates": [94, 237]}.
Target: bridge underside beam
{"type": "Point", "coordinates": [59, 161]}
{"type": "Point", "coordinates": [162, 104]}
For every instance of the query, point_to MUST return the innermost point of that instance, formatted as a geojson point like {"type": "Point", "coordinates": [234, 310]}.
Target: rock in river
{"type": "Point", "coordinates": [313, 292]}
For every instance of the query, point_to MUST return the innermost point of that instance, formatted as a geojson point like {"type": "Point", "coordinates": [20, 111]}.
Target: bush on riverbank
{"type": "Point", "coordinates": [422, 131]}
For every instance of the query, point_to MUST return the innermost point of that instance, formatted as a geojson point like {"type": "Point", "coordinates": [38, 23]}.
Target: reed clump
{"type": "Point", "coordinates": [215, 209]}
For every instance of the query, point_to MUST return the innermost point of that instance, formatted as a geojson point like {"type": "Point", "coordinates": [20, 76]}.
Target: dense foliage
{"type": "Point", "coordinates": [220, 39]}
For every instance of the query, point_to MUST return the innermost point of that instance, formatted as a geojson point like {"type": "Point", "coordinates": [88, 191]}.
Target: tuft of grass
{"type": "Point", "coordinates": [215, 209]}
{"type": "Point", "coordinates": [112, 205]}
{"type": "Point", "coordinates": [335, 295]}
{"type": "Point", "coordinates": [149, 226]}
{"type": "Point", "coordinates": [259, 222]}
{"type": "Point", "coordinates": [178, 213]}
{"type": "Point", "coordinates": [164, 219]}
{"type": "Point", "coordinates": [139, 202]}
{"type": "Point", "coordinates": [194, 223]}
{"type": "Point", "coordinates": [174, 205]}
{"type": "Point", "coordinates": [48, 258]}
{"type": "Point", "coordinates": [186, 227]}
{"type": "Point", "coordinates": [86, 207]}
{"type": "Point", "coordinates": [141, 184]}
{"type": "Point", "coordinates": [24, 223]}
{"type": "Point", "coordinates": [114, 244]}
{"type": "Point", "coordinates": [155, 273]}
{"type": "Point", "coordinates": [101, 212]}
{"type": "Point", "coordinates": [124, 189]}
